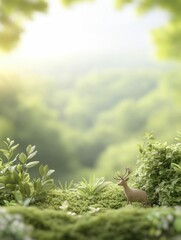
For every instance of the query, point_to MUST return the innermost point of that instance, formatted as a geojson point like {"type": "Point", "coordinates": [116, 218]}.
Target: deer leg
{"type": "Point", "coordinates": [146, 204]}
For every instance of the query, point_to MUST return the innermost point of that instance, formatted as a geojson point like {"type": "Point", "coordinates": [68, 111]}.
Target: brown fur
{"type": "Point", "coordinates": [132, 194]}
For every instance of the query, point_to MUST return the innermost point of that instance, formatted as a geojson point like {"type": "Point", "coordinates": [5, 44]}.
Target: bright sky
{"type": "Point", "coordinates": [84, 29]}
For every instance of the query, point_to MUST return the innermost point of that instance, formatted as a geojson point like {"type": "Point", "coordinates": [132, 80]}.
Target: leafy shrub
{"type": "Point", "coordinates": [15, 180]}
{"type": "Point", "coordinates": [126, 223]}
{"type": "Point", "coordinates": [92, 186]}
{"type": "Point", "coordinates": [13, 227]}
{"type": "Point", "coordinates": [159, 173]}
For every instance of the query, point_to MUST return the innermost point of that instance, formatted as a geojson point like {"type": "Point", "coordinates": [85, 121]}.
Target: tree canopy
{"type": "Point", "coordinates": [12, 15]}
{"type": "Point", "coordinates": [167, 37]}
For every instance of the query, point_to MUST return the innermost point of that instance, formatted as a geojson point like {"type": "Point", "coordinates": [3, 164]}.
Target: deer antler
{"type": "Point", "coordinates": [127, 173]}
{"type": "Point", "coordinates": [118, 176]}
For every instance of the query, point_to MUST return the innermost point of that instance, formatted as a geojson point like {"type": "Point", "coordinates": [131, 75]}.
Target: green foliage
{"type": "Point", "coordinates": [168, 37]}
{"type": "Point", "coordinates": [125, 223]}
{"type": "Point", "coordinates": [12, 226]}
{"type": "Point", "coordinates": [98, 137]}
{"type": "Point", "coordinates": [15, 179]}
{"type": "Point", "coordinates": [26, 115]}
{"type": "Point", "coordinates": [159, 172]}
{"type": "Point", "coordinates": [66, 186]}
{"type": "Point", "coordinates": [70, 2]}
{"type": "Point", "coordinates": [111, 198]}
{"type": "Point", "coordinates": [11, 25]}
{"type": "Point", "coordinates": [176, 167]}
{"type": "Point", "coordinates": [92, 186]}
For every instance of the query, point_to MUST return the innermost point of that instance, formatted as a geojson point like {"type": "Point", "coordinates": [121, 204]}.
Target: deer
{"type": "Point", "coordinates": [132, 194]}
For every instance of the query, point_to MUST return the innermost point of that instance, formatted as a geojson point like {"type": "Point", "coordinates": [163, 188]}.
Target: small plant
{"type": "Point", "coordinates": [67, 186]}
{"type": "Point", "coordinates": [93, 210]}
{"type": "Point", "coordinates": [64, 205]}
{"type": "Point", "coordinates": [91, 187]}
{"type": "Point", "coordinates": [15, 180]}
{"type": "Point", "coordinates": [159, 173]}
{"type": "Point", "coordinates": [13, 227]}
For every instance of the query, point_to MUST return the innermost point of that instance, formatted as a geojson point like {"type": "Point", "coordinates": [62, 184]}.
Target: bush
{"type": "Point", "coordinates": [15, 180]}
{"type": "Point", "coordinates": [122, 224]}
{"type": "Point", "coordinates": [93, 186]}
{"type": "Point", "coordinates": [159, 173]}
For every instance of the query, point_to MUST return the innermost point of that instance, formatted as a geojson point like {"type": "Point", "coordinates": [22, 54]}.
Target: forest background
{"type": "Point", "coordinates": [87, 112]}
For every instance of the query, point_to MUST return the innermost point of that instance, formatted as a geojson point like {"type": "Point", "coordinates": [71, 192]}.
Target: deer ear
{"type": "Point", "coordinates": [127, 179]}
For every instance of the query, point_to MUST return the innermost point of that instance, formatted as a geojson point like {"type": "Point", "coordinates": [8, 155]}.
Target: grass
{"type": "Point", "coordinates": [65, 215]}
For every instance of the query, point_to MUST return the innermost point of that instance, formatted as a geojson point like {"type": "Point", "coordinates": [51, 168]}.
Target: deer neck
{"type": "Point", "coordinates": [126, 187]}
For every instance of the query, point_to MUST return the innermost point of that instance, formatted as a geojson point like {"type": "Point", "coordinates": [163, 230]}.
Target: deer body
{"type": "Point", "coordinates": [132, 194]}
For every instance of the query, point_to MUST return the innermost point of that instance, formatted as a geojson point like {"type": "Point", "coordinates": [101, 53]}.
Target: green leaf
{"type": "Point", "coordinates": [27, 189]}
{"type": "Point", "coordinates": [18, 196]}
{"type": "Point", "coordinates": [16, 176]}
{"type": "Point", "coordinates": [32, 155]}
{"type": "Point", "coordinates": [45, 169]}
{"type": "Point", "coordinates": [50, 172]}
{"type": "Point", "coordinates": [28, 149]}
{"type": "Point", "coordinates": [11, 143]}
{"type": "Point", "coordinates": [39, 186]}
{"type": "Point", "coordinates": [19, 168]}
{"type": "Point", "coordinates": [41, 170]}
{"type": "Point", "coordinates": [22, 158]}
{"type": "Point", "coordinates": [31, 164]}
{"type": "Point", "coordinates": [14, 147]}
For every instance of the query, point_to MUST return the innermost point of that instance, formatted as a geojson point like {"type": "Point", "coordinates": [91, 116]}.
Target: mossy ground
{"type": "Point", "coordinates": [104, 216]}
{"type": "Point", "coordinates": [111, 198]}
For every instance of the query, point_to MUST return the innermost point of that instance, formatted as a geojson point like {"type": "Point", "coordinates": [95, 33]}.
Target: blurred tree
{"type": "Point", "coordinates": [168, 37]}
{"type": "Point", "coordinates": [116, 157]}
{"type": "Point", "coordinates": [26, 119]}
{"type": "Point", "coordinates": [12, 14]}
{"type": "Point", "coordinates": [70, 2]}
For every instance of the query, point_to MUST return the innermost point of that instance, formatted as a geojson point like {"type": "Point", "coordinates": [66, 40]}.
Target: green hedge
{"type": "Point", "coordinates": [126, 223]}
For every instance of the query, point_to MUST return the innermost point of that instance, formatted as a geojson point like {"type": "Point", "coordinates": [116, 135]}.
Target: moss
{"type": "Point", "coordinates": [48, 224]}
{"type": "Point", "coordinates": [112, 198]}
{"type": "Point", "coordinates": [113, 221]}
{"type": "Point", "coordinates": [125, 223]}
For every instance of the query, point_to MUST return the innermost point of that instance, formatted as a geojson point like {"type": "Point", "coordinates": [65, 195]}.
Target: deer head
{"type": "Point", "coordinates": [123, 178]}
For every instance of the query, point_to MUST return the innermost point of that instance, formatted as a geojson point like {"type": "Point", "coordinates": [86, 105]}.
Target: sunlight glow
{"type": "Point", "coordinates": [84, 29]}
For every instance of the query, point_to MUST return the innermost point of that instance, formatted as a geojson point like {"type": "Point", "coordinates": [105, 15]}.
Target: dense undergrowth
{"type": "Point", "coordinates": [159, 173]}
{"type": "Point", "coordinates": [91, 209]}
{"type": "Point", "coordinates": [112, 198]}
{"type": "Point", "coordinates": [125, 223]}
